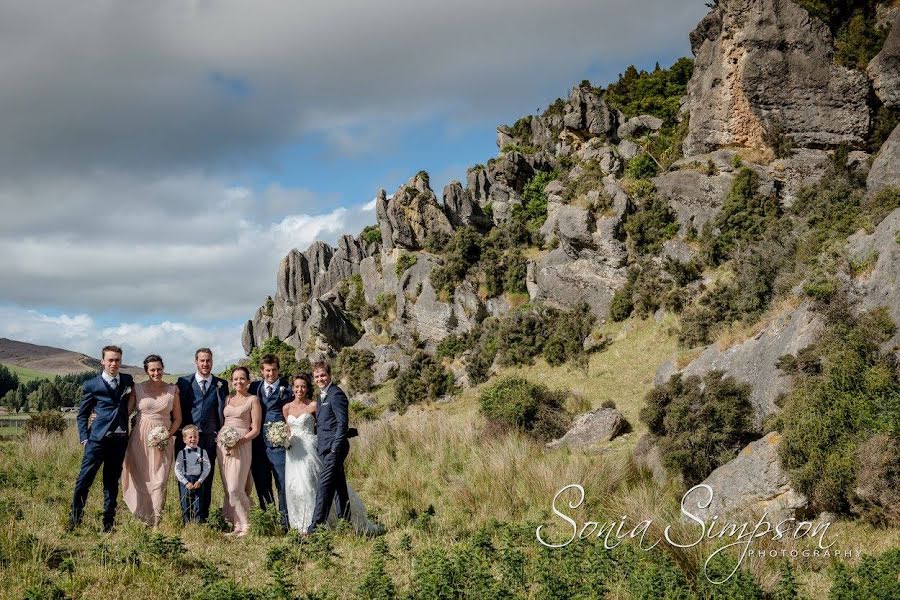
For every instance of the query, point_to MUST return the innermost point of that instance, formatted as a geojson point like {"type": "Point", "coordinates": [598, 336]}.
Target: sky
{"type": "Point", "coordinates": [158, 159]}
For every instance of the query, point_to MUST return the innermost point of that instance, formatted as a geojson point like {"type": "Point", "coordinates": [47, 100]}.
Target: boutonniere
{"type": "Point", "coordinates": [281, 390]}
{"type": "Point", "coordinates": [127, 391]}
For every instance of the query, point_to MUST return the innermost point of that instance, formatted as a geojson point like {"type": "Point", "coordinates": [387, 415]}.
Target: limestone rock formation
{"type": "Point", "coordinates": [462, 210]}
{"type": "Point", "coordinates": [765, 68]}
{"type": "Point", "coordinates": [884, 69]}
{"type": "Point", "coordinates": [411, 215]}
{"type": "Point", "coordinates": [885, 171]}
{"type": "Point", "coordinates": [592, 428]}
{"type": "Point", "coordinates": [752, 482]}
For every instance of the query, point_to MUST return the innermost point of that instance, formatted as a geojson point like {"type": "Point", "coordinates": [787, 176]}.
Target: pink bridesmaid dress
{"type": "Point", "coordinates": [235, 469]}
{"type": "Point", "coordinates": [145, 474]}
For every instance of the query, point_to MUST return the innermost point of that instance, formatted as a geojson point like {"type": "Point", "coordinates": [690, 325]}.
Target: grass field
{"type": "Point", "coordinates": [26, 375]}
{"type": "Point", "coordinates": [460, 505]}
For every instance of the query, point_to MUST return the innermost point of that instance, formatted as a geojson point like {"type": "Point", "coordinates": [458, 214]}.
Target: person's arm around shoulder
{"type": "Point", "coordinates": [88, 401]}
{"type": "Point", "coordinates": [255, 418]}
{"type": "Point", "coordinates": [176, 411]}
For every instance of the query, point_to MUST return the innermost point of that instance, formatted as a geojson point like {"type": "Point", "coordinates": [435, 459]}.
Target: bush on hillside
{"type": "Point", "coordinates": [513, 402]}
{"type": "Point", "coordinates": [424, 380]}
{"type": "Point", "coordinates": [701, 425]}
{"type": "Point", "coordinates": [832, 410]}
{"type": "Point", "coordinates": [641, 166]}
{"type": "Point", "coordinates": [287, 358]}
{"type": "Point", "coordinates": [656, 93]}
{"type": "Point", "coordinates": [371, 234]}
{"type": "Point", "coordinates": [355, 367]}
{"type": "Point", "coordinates": [48, 421]}
{"type": "Point", "coordinates": [650, 225]}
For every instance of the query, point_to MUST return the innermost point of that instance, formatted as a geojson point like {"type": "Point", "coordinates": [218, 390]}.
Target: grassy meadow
{"type": "Point", "coordinates": [460, 504]}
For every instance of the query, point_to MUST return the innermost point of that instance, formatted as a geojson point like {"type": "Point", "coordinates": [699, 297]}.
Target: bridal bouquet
{"type": "Point", "coordinates": [158, 438]}
{"type": "Point", "coordinates": [228, 439]}
{"type": "Point", "coordinates": [279, 434]}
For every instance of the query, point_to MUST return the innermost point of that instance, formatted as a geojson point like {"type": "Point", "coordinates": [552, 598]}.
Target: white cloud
{"type": "Point", "coordinates": [174, 341]}
{"type": "Point", "coordinates": [370, 205]}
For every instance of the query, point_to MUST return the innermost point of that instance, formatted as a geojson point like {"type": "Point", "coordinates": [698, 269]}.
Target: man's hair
{"type": "Point", "coordinates": [321, 365]}
{"type": "Point", "coordinates": [188, 429]}
{"type": "Point", "coordinates": [202, 351]}
{"type": "Point", "coordinates": [270, 359]}
{"type": "Point", "coordinates": [110, 349]}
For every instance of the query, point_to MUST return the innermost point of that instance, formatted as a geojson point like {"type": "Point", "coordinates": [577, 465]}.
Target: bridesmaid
{"type": "Point", "coordinates": [145, 474]}
{"type": "Point", "coordinates": [244, 413]}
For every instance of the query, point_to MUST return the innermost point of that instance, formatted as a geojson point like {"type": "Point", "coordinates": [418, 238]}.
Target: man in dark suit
{"type": "Point", "coordinates": [273, 392]}
{"type": "Point", "coordinates": [203, 404]}
{"type": "Point", "coordinates": [105, 440]}
{"type": "Point", "coordinates": [332, 417]}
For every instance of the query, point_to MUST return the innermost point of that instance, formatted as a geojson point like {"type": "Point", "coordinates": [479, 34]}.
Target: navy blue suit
{"type": "Point", "coordinates": [332, 421]}
{"type": "Point", "coordinates": [102, 447]}
{"type": "Point", "coordinates": [206, 411]}
{"type": "Point", "coordinates": [269, 460]}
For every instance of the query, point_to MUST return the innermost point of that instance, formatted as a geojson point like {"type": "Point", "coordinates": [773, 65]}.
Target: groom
{"type": "Point", "coordinates": [105, 441]}
{"type": "Point", "coordinates": [202, 398]}
{"type": "Point", "coordinates": [332, 415]}
{"type": "Point", "coordinates": [268, 460]}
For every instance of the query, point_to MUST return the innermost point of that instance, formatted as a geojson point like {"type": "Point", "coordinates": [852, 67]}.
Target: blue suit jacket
{"type": "Point", "coordinates": [332, 418]}
{"type": "Point", "coordinates": [109, 407]}
{"type": "Point", "coordinates": [272, 408]}
{"type": "Point", "coordinates": [198, 410]}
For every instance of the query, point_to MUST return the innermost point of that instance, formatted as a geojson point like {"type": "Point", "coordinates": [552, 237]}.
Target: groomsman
{"type": "Point", "coordinates": [105, 440]}
{"type": "Point", "coordinates": [203, 404]}
{"type": "Point", "coordinates": [268, 460]}
{"type": "Point", "coordinates": [332, 417]}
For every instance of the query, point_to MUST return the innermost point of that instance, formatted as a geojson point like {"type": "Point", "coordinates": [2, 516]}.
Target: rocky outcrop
{"type": "Point", "coordinates": [878, 286]}
{"type": "Point", "coordinates": [592, 428]}
{"type": "Point", "coordinates": [753, 361]}
{"type": "Point", "coordinates": [765, 68]}
{"type": "Point", "coordinates": [462, 210]}
{"type": "Point", "coordinates": [561, 281]}
{"type": "Point", "coordinates": [587, 112]}
{"type": "Point", "coordinates": [411, 215]}
{"type": "Point", "coordinates": [636, 126]}
{"type": "Point", "coordinates": [885, 171]}
{"type": "Point", "coordinates": [802, 169]}
{"type": "Point", "coordinates": [694, 193]}
{"type": "Point", "coordinates": [884, 69]}
{"type": "Point", "coordinates": [753, 482]}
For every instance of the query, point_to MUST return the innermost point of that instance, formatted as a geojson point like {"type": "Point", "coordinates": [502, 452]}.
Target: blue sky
{"type": "Point", "coordinates": [158, 159]}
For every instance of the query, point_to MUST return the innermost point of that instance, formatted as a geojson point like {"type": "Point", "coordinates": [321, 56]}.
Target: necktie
{"type": "Point", "coordinates": [268, 391]}
{"type": "Point", "coordinates": [203, 386]}
{"type": "Point", "coordinates": [114, 383]}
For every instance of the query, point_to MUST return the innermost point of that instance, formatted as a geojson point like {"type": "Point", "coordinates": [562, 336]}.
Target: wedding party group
{"type": "Point", "coordinates": [256, 431]}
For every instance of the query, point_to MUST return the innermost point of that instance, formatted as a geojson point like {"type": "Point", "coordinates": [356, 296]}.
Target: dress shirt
{"type": "Point", "coordinates": [191, 461]}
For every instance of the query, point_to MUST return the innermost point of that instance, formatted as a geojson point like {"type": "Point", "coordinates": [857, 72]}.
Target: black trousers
{"type": "Point", "coordinates": [108, 453]}
{"type": "Point", "coordinates": [332, 487]}
{"type": "Point", "coordinates": [208, 443]}
{"type": "Point", "coordinates": [266, 464]}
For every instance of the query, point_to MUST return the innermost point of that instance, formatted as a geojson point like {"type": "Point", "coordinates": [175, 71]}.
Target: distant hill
{"type": "Point", "coordinates": [49, 360]}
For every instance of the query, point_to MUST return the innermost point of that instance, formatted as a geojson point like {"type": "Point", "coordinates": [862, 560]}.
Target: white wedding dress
{"type": "Point", "coordinates": [301, 473]}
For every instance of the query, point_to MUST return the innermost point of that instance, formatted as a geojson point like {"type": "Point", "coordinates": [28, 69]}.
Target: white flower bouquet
{"type": "Point", "coordinates": [228, 439]}
{"type": "Point", "coordinates": [279, 434]}
{"type": "Point", "coordinates": [158, 438]}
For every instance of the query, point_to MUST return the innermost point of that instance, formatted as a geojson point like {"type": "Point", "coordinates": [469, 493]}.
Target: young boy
{"type": "Point", "coordinates": [191, 469]}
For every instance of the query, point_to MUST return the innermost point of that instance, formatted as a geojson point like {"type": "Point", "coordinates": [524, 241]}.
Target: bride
{"type": "Point", "coordinates": [302, 465]}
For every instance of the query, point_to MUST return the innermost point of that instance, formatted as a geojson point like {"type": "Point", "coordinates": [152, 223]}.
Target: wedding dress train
{"type": "Point", "coordinates": [301, 473]}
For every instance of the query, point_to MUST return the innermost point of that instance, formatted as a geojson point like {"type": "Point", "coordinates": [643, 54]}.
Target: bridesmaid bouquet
{"type": "Point", "coordinates": [158, 438]}
{"type": "Point", "coordinates": [279, 434]}
{"type": "Point", "coordinates": [228, 439]}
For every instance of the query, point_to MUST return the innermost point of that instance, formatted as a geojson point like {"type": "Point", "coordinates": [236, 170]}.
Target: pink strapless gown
{"type": "Point", "coordinates": [145, 474]}
{"type": "Point", "coordinates": [235, 469]}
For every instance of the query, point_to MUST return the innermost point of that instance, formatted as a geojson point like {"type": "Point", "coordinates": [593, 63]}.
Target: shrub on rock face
{"type": "Point", "coordinates": [876, 493]}
{"type": "Point", "coordinates": [356, 367]}
{"type": "Point", "coordinates": [700, 425]}
{"type": "Point", "coordinates": [652, 224]}
{"type": "Point", "coordinates": [641, 166]}
{"type": "Point", "coordinates": [831, 410]}
{"type": "Point", "coordinates": [516, 403]}
{"type": "Point", "coordinates": [424, 380]}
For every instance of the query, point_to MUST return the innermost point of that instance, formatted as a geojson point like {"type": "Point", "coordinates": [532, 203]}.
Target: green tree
{"type": "Point", "coordinates": [287, 357]}
{"type": "Point", "coordinates": [8, 380]}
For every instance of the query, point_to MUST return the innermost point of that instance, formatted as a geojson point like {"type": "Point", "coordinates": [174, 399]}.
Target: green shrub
{"type": "Point", "coordinates": [641, 166]}
{"type": "Point", "coordinates": [165, 546]}
{"type": "Point", "coordinates": [650, 225]}
{"type": "Point", "coordinates": [50, 421]}
{"type": "Point", "coordinates": [566, 340]}
{"type": "Point", "coordinates": [377, 584]}
{"type": "Point", "coordinates": [876, 493]}
{"type": "Point", "coordinates": [832, 410]}
{"type": "Point", "coordinates": [700, 425]}
{"type": "Point", "coordinates": [355, 367]}
{"type": "Point", "coordinates": [424, 380]}
{"type": "Point", "coordinates": [745, 217]}
{"type": "Point", "coordinates": [287, 357]}
{"type": "Point", "coordinates": [361, 412]}
{"type": "Point", "coordinates": [515, 272]}
{"type": "Point", "coordinates": [461, 253]}
{"type": "Point", "coordinates": [265, 522]}
{"type": "Point", "coordinates": [512, 402]}
{"type": "Point", "coordinates": [656, 93]}
{"type": "Point", "coordinates": [405, 261]}
{"type": "Point", "coordinates": [371, 234]}
{"type": "Point", "coordinates": [884, 122]}
{"type": "Point", "coordinates": [452, 346]}
{"type": "Point", "coordinates": [875, 578]}
{"type": "Point", "coordinates": [621, 306]}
